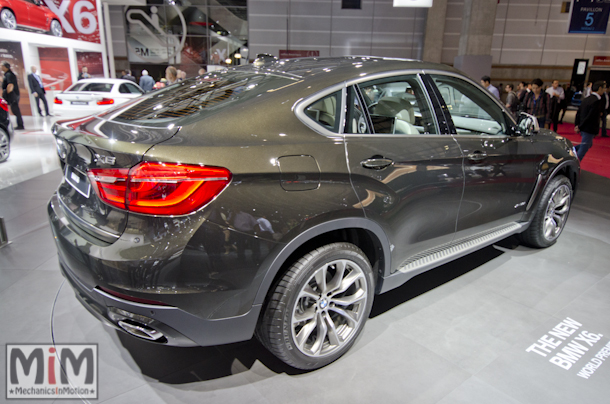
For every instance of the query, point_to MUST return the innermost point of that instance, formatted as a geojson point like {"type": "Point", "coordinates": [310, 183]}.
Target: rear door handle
{"type": "Point", "coordinates": [376, 163]}
{"type": "Point", "coordinates": [477, 156]}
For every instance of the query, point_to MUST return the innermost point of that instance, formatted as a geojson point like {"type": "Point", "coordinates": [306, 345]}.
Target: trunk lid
{"type": "Point", "coordinates": [94, 142]}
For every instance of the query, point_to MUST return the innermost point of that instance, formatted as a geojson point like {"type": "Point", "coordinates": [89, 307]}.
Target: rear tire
{"type": "Point", "coordinates": [8, 19]}
{"type": "Point", "coordinates": [56, 29]}
{"type": "Point", "coordinates": [551, 214]}
{"type": "Point", "coordinates": [318, 308]}
{"type": "Point", "coordinates": [5, 146]}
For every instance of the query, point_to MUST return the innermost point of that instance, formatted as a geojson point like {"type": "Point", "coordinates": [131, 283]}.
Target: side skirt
{"type": "Point", "coordinates": [440, 255]}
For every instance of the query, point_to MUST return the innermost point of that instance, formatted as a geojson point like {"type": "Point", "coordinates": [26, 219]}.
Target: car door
{"type": "Point", "coordinates": [499, 164]}
{"type": "Point", "coordinates": [37, 14]}
{"type": "Point", "coordinates": [408, 176]}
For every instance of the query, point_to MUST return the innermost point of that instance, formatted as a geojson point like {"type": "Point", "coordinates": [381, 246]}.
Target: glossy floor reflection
{"type": "Point", "coordinates": [457, 334]}
{"type": "Point", "coordinates": [32, 152]}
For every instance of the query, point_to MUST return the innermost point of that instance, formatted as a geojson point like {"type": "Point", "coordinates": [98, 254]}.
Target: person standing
{"type": "Point", "coordinates": [606, 101]}
{"type": "Point", "coordinates": [537, 103]}
{"type": "Point", "coordinates": [512, 101]}
{"type": "Point", "coordinates": [127, 76]}
{"type": "Point", "coordinates": [556, 95]}
{"type": "Point", "coordinates": [587, 91]}
{"type": "Point", "coordinates": [146, 82]}
{"type": "Point", "coordinates": [567, 101]}
{"type": "Point", "coordinates": [486, 82]}
{"type": "Point", "coordinates": [10, 92]}
{"type": "Point", "coordinates": [84, 73]}
{"type": "Point", "coordinates": [171, 75]}
{"type": "Point", "coordinates": [37, 89]}
{"type": "Point", "coordinates": [588, 117]}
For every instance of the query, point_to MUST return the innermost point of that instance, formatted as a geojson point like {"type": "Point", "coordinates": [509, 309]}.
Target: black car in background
{"type": "Point", "coordinates": [6, 131]}
{"type": "Point", "coordinates": [278, 199]}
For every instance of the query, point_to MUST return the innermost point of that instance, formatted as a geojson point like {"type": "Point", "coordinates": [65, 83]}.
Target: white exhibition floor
{"type": "Point", "coordinates": [457, 334]}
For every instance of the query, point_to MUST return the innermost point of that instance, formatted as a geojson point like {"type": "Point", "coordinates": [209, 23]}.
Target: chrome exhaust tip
{"type": "Point", "coordinates": [140, 330]}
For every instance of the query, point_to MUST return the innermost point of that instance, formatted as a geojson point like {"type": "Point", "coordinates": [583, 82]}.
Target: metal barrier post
{"type": "Point", "coordinates": [3, 236]}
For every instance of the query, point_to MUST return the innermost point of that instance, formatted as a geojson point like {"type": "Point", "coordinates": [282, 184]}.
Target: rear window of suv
{"type": "Point", "coordinates": [200, 94]}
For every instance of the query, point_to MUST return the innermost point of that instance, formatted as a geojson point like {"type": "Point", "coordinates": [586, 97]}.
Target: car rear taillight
{"type": "Point", "coordinates": [159, 188]}
{"type": "Point", "coordinates": [105, 101]}
{"type": "Point", "coordinates": [57, 101]}
{"type": "Point", "coordinates": [3, 104]}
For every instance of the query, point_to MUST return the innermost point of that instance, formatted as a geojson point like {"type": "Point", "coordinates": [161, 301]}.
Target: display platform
{"type": "Point", "coordinates": [507, 324]}
{"type": "Point", "coordinates": [457, 334]}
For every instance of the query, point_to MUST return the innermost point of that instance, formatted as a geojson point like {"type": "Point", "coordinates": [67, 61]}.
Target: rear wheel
{"type": "Point", "coordinates": [8, 19]}
{"type": "Point", "coordinates": [319, 307]}
{"type": "Point", "coordinates": [56, 28]}
{"type": "Point", "coordinates": [551, 214]}
{"type": "Point", "coordinates": [5, 146]}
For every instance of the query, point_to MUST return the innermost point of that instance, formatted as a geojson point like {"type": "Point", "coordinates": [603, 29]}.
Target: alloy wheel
{"type": "Point", "coordinates": [8, 19]}
{"type": "Point", "coordinates": [4, 146]}
{"type": "Point", "coordinates": [557, 211]}
{"type": "Point", "coordinates": [329, 308]}
{"type": "Point", "coordinates": [56, 28]}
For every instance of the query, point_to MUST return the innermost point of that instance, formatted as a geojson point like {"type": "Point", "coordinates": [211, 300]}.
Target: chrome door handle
{"type": "Point", "coordinates": [377, 163]}
{"type": "Point", "coordinates": [477, 156]}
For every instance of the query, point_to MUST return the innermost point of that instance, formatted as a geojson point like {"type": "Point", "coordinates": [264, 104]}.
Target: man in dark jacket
{"type": "Point", "coordinates": [37, 89]}
{"type": "Point", "coordinates": [10, 92]}
{"type": "Point", "coordinates": [588, 118]}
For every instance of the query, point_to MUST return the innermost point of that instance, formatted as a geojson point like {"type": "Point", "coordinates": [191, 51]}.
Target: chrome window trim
{"type": "Point", "coordinates": [301, 104]}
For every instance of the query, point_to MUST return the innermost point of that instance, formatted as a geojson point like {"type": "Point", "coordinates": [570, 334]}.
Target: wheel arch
{"type": "Point", "coordinates": [364, 233]}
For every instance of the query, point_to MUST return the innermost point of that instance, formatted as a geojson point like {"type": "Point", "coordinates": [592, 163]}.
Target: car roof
{"type": "Point", "coordinates": [340, 68]}
{"type": "Point", "coordinates": [103, 80]}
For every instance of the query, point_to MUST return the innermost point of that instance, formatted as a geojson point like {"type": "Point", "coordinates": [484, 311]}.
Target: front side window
{"type": "Point", "coordinates": [473, 111]}
{"type": "Point", "coordinates": [398, 106]}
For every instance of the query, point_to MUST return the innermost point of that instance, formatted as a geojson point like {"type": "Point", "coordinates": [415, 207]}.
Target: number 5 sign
{"type": "Point", "coordinates": [589, 16]}
{"type": "Point", "coordinates": [79, 18]}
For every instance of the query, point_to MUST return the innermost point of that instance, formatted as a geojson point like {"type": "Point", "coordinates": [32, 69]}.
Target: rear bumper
{"type": "Point", "coordinates": [177, 326]}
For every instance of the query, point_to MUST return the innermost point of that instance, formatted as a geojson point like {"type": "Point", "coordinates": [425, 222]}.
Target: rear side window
{"type": "Point", "coordinates": [127, 88]}
{"type": "Point", "coordinates": [326, 111]}
{"type": "Point", "coordinates": [93, 87]}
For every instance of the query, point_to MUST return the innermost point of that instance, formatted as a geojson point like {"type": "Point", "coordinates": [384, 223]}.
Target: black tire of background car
{"type": "Point", "coordinates": [534, 235]}
{"type": "Point", "coordinates": [56, 28]}
{"type": "Point", "coordinates": [7, 14]}
{"type": "Point", "coordinates": [5, 146]}
{"type": "Point", "coordinates": [275, 326]}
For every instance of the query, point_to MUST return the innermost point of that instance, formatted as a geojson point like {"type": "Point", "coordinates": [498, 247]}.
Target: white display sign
{"type": "Point", "coordinates": [412, 3]}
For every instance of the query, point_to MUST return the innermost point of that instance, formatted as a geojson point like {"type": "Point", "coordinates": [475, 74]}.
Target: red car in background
{"type": "Point", "coordinates": [29, 14]}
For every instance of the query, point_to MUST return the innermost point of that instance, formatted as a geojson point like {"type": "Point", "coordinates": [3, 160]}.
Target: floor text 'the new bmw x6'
{"type": "Point", "coordinates": [278, 199]}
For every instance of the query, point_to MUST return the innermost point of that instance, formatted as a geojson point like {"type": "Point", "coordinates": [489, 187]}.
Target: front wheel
{"type": "Point", "coordinates": [56, 29]}
{"type": "Point", "coordinates": [551, 214]}
{"type": "Point", "coordinates": [5, 146]}
{"type": "Point", "coordinates": [319, 307]}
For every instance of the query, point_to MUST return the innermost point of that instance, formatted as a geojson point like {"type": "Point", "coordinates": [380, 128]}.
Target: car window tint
{"type": "Point", "coordinates": [133, 89]}
{"type": "Point", "coordinates": [97, 87]}
{"type": "Point", "coordinates": [77, 87]}
{"type": "Point", "coordinates": [123, 89]}
{"type": "Point", "coordinates": [326, 111]}
{"type": "Point", "coordinates": [472, 110]}
{"type": "Point", "coordinates": [398, 105]}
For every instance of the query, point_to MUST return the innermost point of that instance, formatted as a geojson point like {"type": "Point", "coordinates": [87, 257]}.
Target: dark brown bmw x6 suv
{"type": "Point", "coordinates": [278, 199]}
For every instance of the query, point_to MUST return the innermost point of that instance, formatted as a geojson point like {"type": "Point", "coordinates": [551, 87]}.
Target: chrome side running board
{"type": "Point", "coordinates": [447, 252]}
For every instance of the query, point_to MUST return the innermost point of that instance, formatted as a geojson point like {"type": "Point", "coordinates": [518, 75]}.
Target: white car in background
{"type": "Point", "coordinates": [92, 96]}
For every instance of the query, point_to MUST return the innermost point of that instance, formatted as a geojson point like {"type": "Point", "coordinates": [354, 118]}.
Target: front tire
{"type": "Point", "coordinates": [318, 308]}
{"type": "Point", "coordinates": [551, 214]}
{"type": "Point", "coordinates": [5, 146]}
{"type": "Point", "coordinates": [56, 28]}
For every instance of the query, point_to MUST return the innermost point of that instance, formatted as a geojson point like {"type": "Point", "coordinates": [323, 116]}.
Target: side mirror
{"type": "Point", "coordinates": [527, 124]}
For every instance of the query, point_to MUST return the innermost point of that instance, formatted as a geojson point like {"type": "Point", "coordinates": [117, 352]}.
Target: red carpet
{"type": "Point", "coordinates": [597, 159]}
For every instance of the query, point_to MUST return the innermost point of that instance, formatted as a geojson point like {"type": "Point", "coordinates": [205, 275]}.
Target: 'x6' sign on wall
{"type": "Point", "coordinates": [78, 18]}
